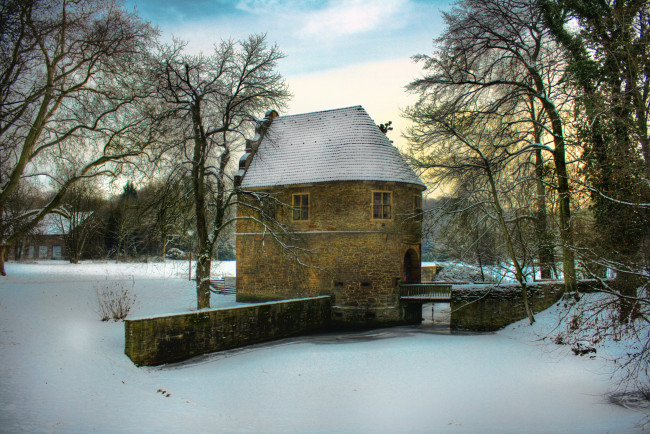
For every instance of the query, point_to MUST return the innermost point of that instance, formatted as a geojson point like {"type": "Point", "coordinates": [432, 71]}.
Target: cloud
{"type": "Point", "coordinates": [342, 18]}
{"type": "Point", "coordinates": [315, 35]}
{"type": "Point", "coordinates": [329, 19]}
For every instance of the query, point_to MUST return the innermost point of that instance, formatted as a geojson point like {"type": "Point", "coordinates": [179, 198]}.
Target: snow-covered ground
{"type": "Point", "coordinates": [63, 370]}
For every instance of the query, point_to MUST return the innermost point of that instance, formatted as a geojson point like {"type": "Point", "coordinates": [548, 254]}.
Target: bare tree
{"type": "Point", "coordinates": [28, 196]}
{"type": "Point", "coordinates": [457, 148]}
{"type": "Point", "coordinates": [71, 92]}
{"type": "Point", "coordinates": [168, 206]}
{"type": "Point", "coordinates": [213, 101]}
{"type": "Point", "coordinates": [80, 225]}
{"type": "Point", "coordinates": [126, 220]}
{"type": "Point", "coordinates": [498, 56]}
{"type": "Point", "coordinates": [460, 230]}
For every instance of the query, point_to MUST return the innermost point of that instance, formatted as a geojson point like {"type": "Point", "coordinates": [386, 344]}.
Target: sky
{"type": "Point", "coordinates": [339, 53]}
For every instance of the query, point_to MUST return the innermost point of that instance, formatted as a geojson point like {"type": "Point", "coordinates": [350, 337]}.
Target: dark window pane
{"type": "Point", "coordinates": [301, 207]}
{"type": "Point", "coordinates": [381, 201]}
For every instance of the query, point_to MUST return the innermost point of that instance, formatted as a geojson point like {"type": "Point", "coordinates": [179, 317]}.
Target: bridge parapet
{"type": "Point", "coordinates": [425, 292]}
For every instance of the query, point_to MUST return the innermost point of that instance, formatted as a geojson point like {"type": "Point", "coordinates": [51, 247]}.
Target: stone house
{"type": "Point", "coordinates": [45, 242]}
{"type": "Point", "coordinates": [349, 211]}
{"type": "Point", "coordinates": [48, 239]}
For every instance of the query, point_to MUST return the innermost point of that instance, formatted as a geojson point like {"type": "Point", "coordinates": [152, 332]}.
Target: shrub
{"type": "Point", "coordinates": [114, 300]}
{"type": "Point", "coordinates": [175, 253]}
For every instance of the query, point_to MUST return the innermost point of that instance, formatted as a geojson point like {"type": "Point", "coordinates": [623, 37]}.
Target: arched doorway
{"type": "Point", "coordinates": [411, 267]}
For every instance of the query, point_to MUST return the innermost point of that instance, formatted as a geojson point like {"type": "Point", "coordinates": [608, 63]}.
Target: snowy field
{"type": "Point", "coordinates": [63, 370]}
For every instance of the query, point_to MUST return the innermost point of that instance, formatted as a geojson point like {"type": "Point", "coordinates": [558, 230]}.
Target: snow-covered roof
{"type": "Point", "coordinates": [53, 224]}
{"type": "Point", "coordinates": [334, 145]}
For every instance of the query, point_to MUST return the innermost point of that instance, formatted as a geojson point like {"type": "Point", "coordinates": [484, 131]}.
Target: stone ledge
{"type": "Point", "coordinates": [178, 337]}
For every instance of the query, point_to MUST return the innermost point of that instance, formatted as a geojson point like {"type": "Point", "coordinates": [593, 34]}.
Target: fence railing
{"type": "Point", "coordinates": [429, 291]}
{"type": "Point", "coordinates": [219, 286]}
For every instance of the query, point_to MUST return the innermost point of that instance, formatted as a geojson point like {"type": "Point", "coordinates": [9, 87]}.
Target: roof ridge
{"type": "Point", "coordinates": [323, 111]}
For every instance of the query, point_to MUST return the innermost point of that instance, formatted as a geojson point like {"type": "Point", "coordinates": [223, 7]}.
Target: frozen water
{"type": "Point", "coordinates": [63, 370]}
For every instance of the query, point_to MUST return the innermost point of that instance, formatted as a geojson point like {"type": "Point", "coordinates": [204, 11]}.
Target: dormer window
{"type": "Point", "coordinates": [381, 205]}
{"type": "Point", "coordinates": [300, 206]}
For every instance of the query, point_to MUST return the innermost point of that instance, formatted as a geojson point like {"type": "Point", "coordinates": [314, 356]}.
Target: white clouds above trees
{"type": "Point", "coordinates": [338, 53]}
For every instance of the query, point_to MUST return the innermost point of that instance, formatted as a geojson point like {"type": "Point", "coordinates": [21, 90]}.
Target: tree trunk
{"type": "Point", "coordinates": [566, 226]}
{"type": "Point", "coordinates": [164, 249]}
{"type": "Point", "coordinates": [478, 254]}
{"type": "Point", "coordinates": [545, 253]}
{"type": "Point", "coordinates": [559, 158]}
{"type": "Point", "coordinates": [3, 246]}
{"type": "Point", "coordinates": [627, 285]}
{"type": "Point", "coordinates": [566, 234]}
{"type": "Point", "coordinates": [544, 247]}
{"type": "Point", "coordinates": [519, 275]}
{"type": "Point", "coordinates": [203, 264]}
{"type": "Point", "coordinates": [3, 252]}
{"type": "Point", "coordinates": [200, 208]}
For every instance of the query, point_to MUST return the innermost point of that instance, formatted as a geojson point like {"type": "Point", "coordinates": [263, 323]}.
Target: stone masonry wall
{"type": "Point", "coordinates": [166, 339]}
{"type": "Point", "coordinates": [345, 252]}
{"type": "Point", "coordinates": [489, 308]}
{"type": "Point", "coordinates": [429, 273]}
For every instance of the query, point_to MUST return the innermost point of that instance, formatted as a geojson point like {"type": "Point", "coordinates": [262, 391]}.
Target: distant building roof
{"type": "Point", "coordinates": [53, 224]}
{"type": "Point", "coordinates": [56, 224]}
{"type": "Point", "coordinates": [333, 145]}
